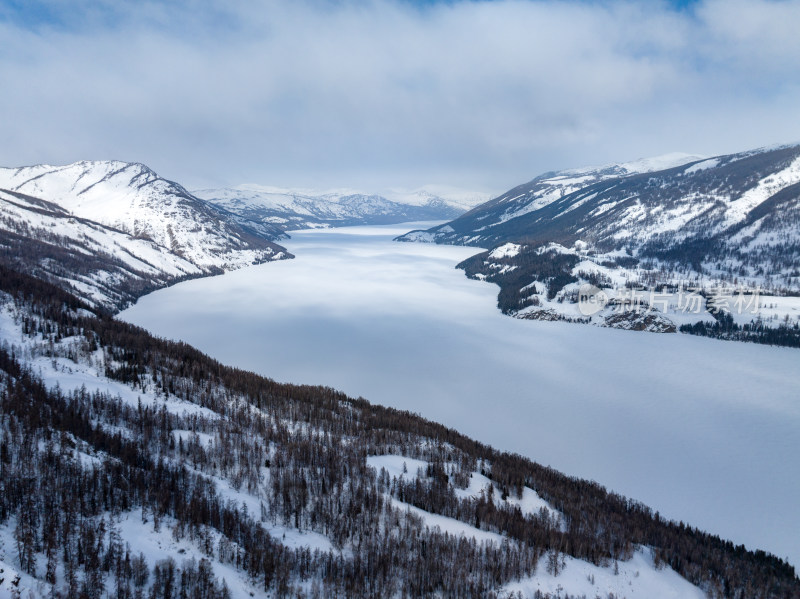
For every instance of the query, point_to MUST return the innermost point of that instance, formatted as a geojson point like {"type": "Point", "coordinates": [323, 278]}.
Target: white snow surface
{"type": "Point", "coordinates": [160, 545]}
{"type": "Point", "coordinates": [395, 464]}
{"type": "Point", "coordinates": [660, 163]}
{"type": "Point", "coordinates": [507, 250]}
{"type": "Point", "coordinates": [738, 209]}
{"type": "Point", "coordinates": [701, 166]}
{"type": "Point", "coordinates": [637, 578]}
{"type": "Point", "coordinates": [530, 503]}
{"type": "Point", "coordinates": [447, 525]}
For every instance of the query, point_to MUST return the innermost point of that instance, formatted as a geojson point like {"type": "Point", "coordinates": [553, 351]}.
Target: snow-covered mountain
{"type": "Point", "coordinates": [104, 265]}
{"type": "Point", "coordinates": [114, 230]}
{"type": "Point", "coordinates": [301, 209]}
{"type": "Point", "coordinates": [457, 197]}
{"type": "Point", "coordinates": [727, 221]}
{"type": "Point", "coordinates": [476, 227]}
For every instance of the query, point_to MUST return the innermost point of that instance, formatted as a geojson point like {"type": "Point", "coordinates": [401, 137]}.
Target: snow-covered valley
{"type": "Point", "coordinates": [704, 431]}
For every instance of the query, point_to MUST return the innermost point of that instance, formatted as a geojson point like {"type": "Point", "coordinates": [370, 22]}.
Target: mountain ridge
{"type": "Point", "coordinates": [725, 222]}
{"type": "Point", "coordinates": [290, 209]}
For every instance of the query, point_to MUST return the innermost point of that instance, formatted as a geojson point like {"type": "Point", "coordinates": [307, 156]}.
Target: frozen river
{"type": "Point", "coordinates": [705, 431]}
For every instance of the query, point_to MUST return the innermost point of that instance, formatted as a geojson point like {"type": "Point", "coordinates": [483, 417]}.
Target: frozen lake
{"type": "Point", "coordinates": [704, 431]}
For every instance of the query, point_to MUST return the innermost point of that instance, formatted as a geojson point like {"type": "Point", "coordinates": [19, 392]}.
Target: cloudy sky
{"type": "Point", "coordinates": [383, 93]}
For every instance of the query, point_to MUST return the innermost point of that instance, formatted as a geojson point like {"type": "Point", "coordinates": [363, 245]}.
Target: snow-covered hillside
{"type": "Point", "coordinates": [540, 192]}
{"type": "Point", "coordinates": [726, 225]}
{"type": "Point", "coordinates": [113, 230]}
{"type": "Point", "coordinates": [134, 199]}
{"type": "Point", "coordinates": [302, 209]}
{"type": "Point", "coordinates": [231, 455]}
{"type": "Point", "coordinates": [104, 265]}
{"type": "Point", "coordinates": [68, 367]}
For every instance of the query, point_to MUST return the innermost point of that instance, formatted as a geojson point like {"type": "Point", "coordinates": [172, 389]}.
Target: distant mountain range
{"type": "Point", "coordinates": [680, 220]}
{"type": "Point", "coordinates": [290, 210]}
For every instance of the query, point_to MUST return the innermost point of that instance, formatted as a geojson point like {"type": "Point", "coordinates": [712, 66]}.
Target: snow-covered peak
{"type": "Point", "coordinates": [110, 192]}
{"type": "Point", "coordinates": [134, 199]}
{"type": "Point", "coordinates": [111, 231]}
{"type": "Point", "coordinates": [633, 167]}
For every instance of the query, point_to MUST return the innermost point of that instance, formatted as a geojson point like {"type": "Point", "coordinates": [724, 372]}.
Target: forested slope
{"type": "Point", "coordinates": [251, 486]}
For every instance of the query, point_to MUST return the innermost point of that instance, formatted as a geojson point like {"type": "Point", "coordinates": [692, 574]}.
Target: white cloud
{"type": "Point", "coordinates": [766, 30]}
{"type": "Point", "coordinates": [378, 92]}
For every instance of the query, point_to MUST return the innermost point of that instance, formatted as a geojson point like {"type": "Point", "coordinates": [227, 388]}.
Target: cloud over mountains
{"type": "Point", "coordinates": [393, 93]}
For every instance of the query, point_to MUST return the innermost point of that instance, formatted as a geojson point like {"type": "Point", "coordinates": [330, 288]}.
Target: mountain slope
{"type": "Point", "coordinates": [135, 466]}
{"type": "Point", "coordinates": [120, 229]}
{"type": "Point", "coordinates": [104, 265]}
{"type": "Point", "coordinates": [134, 199]}
{"type": "Point", "coordinates": [725, 223]}
{"type": "Point", "coordinates": [476, 227]}
{"type": "Point", "coordinates": [291, 210]}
